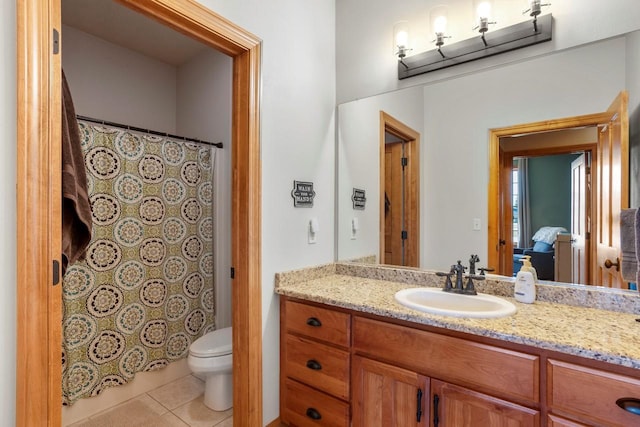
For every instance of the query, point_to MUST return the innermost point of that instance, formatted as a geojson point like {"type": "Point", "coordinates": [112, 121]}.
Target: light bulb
{"type": "Point", "coordinates": [402, 38]}
{"type": "Point", "coordinates": [440, 24]}
{"type": "Point", "coordinates": [484, 10]}
{"type": "Point", "coordinates": [438, 20]}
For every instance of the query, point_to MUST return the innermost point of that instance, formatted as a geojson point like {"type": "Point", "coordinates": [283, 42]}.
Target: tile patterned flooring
{"type": "Point", "coordinates": [177, 404]}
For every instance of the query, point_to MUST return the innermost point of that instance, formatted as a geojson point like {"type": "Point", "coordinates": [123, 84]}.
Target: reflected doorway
{"type": "Point", "coordinates": [551, 211]}
{"type": "Point", "coordinates": [399, 193]}
{"type": "Point", "coordinates": [609, 182]}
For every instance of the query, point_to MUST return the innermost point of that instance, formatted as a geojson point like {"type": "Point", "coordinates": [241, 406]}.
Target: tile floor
{"type": "Point", "coordinates": [177, 404]}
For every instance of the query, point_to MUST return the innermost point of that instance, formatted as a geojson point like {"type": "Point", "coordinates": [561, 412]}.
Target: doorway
{"type": "Point", "coordinates": [399, 193]}
{"type": "Point", "coordinates": [610, 187]}
{"type": "Point", "coordinates": [38, 373]}
{"type": "Point", "coordinates": [550, 196]}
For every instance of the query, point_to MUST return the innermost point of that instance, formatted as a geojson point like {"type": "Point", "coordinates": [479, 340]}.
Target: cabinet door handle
{"type": "Point", "coordinates": [313, 414]}
{"type": "Point", "coordinates": [312, 321]}
{"type": "Point", "coordinates": [419, 411]}
{"type": "Point", "coordinates": [629, 404]}
{"type": "Point", "coordinates": [314, 364]}
{"type": "Point", "coordinates": [436, 419]}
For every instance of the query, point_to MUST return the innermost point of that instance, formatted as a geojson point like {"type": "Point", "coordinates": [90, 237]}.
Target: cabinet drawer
{"type": "Point", "coordinates": [322, 366]}
{"type": "Point", "coordinates": [307, 407]}
{"type": "Point", "coordinates": [590, 394]}
{"type": "Point", "coordinates": [318, 323]}
{"type": "Point", "coordinates": [503, 373]}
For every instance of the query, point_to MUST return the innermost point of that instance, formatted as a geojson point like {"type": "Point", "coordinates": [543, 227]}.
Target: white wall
{"type": "Point", "coordinates": [8, 212]}
{"type": "Point", "coordinates": [366, 65]}
{"type": "Point", "coordinates": [116, 84]}
{"type": "Point", "coordinates": [359, 163]}
{"type": "Point", "coordinates": [204, 112]}
{"type": "Point", "coordinates": [298, 143]}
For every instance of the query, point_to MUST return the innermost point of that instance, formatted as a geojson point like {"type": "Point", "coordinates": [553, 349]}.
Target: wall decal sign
{"type": "Point", "coordinates": [359, 199]}
{"type": "Point", "coordinates": [302, 194]}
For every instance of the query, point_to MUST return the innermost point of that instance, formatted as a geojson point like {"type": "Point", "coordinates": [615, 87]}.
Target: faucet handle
{"type": "Point", "coordinates": [484, 270]}
{"type": "Point", "coordinates": [447, 283]}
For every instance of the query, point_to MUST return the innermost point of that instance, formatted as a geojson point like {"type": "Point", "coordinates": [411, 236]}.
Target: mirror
{"type": "Point", "coordinates": [454, 117]}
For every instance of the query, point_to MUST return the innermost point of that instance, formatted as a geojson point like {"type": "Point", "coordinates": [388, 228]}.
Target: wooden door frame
{"type": "Point", "coordinates": [412, 139]}
{"type": "Point", "coordinates": [39, 304]}
{"type": "Point", "coordinates": [498, 163]}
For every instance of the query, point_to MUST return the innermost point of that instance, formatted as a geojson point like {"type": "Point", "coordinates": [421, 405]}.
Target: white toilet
{"type": "Point", "coordinates": [210, 356]}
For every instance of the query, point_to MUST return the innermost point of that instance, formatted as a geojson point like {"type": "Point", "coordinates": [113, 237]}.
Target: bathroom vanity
{"type": "Point", "coordinates": [351, 354]}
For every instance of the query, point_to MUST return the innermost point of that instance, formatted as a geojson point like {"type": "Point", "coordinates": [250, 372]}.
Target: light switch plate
{"type": "Point", "coordinates": [476, 224]}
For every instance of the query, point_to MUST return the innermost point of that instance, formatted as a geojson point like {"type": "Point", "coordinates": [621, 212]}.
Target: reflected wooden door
{"type": "Point", "coordinates": [612, 182]}
{"type": "Point", "coordinates": [579, 232]}
{"type": "Point", "coordinates": [394, 209]}
{"type": "Point", "coordinates": [399, 193]}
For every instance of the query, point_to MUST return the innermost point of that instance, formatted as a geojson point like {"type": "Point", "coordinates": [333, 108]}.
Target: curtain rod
{"type": "Point", "coordinates": [153, 132]}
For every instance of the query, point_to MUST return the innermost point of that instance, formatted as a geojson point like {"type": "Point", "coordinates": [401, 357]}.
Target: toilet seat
{"type": "Point", "coordinates": [212, 344]}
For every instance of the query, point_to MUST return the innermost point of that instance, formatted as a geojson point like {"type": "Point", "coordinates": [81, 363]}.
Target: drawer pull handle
{"type": "Point", "coordinates": [312, 321]}
{"type": "Point", "coordinates": [629, 404]}
{"type": "Point", "coordinates": [313, 414]}
{"type": "Point", "coordinates": [314, 364]}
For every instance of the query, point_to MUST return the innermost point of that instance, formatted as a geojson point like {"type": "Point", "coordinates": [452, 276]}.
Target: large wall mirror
{"type": "Point", "coordinates": [455, 118]}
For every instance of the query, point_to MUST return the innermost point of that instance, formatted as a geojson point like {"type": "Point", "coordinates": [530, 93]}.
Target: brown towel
{"type": "Point", "coordinates": [76, 209]}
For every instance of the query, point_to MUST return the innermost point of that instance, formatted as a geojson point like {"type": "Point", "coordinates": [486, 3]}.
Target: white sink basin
{"type": "Point", "coordinates": [436, 301]}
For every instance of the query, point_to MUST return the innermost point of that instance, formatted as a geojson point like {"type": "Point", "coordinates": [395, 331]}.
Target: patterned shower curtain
{"type": "Point", "coordinates": [145, 291]}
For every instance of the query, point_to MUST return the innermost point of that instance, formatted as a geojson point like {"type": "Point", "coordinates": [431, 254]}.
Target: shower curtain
{"type": "Point", "coordinates": [145, 291]}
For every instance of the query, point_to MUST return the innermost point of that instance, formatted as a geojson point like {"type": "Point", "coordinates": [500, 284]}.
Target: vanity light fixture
{"type": "Point", "coordinates": [523, 34]}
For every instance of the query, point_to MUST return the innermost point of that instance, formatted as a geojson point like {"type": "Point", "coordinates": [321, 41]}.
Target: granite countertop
{"type": "Point", "coordinates": [584, 321]}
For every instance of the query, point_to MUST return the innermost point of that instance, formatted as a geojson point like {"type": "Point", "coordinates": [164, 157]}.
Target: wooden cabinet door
{"type": "Point", "coordinates": [454, 406]}
{"type": "Point", "coordinates": [388, 396]}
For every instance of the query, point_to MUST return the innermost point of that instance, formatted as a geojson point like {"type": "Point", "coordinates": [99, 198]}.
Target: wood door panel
{"type": "Point", "coordinates": [612, 189]}
{"type": "Point", "coordinates": [394, 210]}
{"type": "Point", "coordinates": [387, 396]}
{"type": "Point", "coordinates": [461, 407]}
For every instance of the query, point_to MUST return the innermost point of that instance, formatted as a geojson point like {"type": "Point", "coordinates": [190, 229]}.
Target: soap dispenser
{"type": "Point", "coordinates": [525, 286]}
{"type": "Point", "coordinates": [526, 266]}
